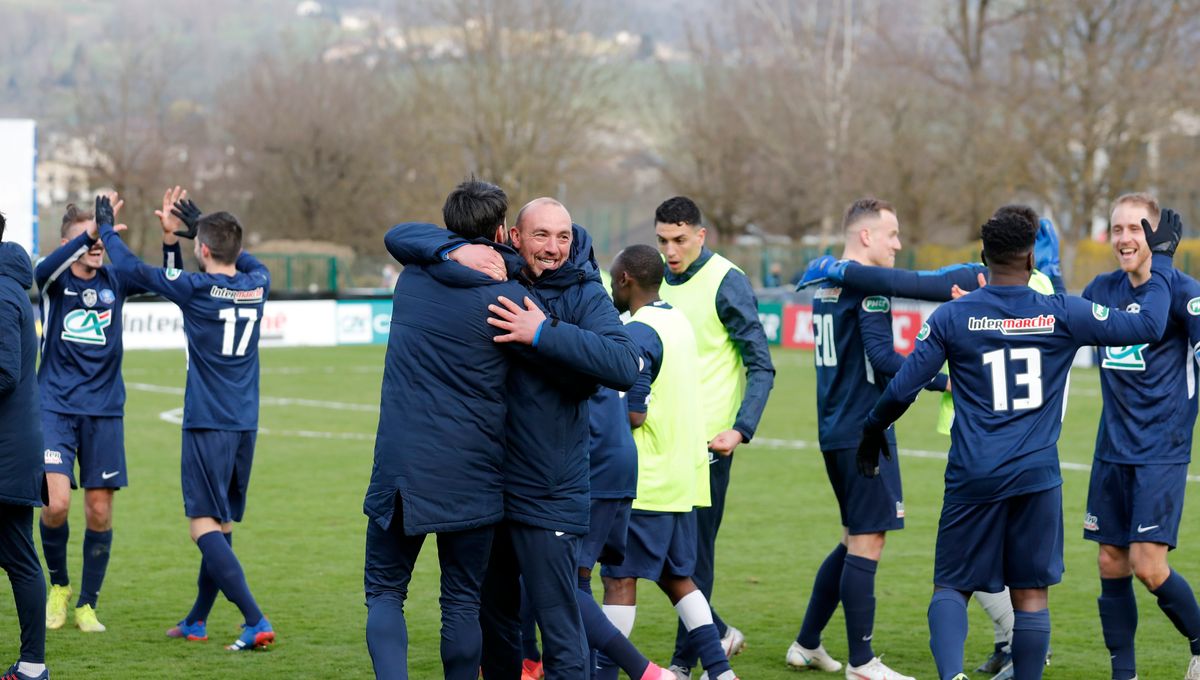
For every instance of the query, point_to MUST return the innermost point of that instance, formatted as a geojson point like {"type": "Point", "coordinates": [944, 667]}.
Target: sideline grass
{"type": "Point", "coordinates": [302, 541]}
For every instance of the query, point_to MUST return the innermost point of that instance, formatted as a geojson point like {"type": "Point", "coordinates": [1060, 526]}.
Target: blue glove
{"type": "Point", "coordinates": [821, 270]}
{"type": "Point", "coordinates": [1045, 249]}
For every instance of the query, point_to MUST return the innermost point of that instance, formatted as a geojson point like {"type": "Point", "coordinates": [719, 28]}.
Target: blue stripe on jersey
{"type": "Point", "coordinates": [1149, 387]}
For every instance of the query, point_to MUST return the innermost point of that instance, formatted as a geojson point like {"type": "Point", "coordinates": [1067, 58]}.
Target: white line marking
{"type": "Point", "coordinates": [915, 453]}
{"type": "Point", "coordinates": [175, 417]}
{"type": "Point", "coordinates": [269, 401]}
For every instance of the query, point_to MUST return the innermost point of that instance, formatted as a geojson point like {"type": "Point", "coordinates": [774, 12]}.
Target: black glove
{"type": "Point", "coordinates": [104, 211]}
{"type": "Point", "coordinates": [874, 442]}
{"type": "Point", "coordinates": [188, 213]}
{"type": "Point", "coordinates": [1166, 238]}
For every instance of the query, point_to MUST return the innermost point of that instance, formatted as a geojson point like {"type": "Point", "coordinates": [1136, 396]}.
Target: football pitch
{"type": "Point", "coordinates": [302, 541]}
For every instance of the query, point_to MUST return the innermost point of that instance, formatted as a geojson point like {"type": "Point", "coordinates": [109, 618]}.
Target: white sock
{"type": "Point", "coordinates": [694, 610]}
{"type": "Point", "coordinates": [621, 616]}
{"type": "Point", "coordinates": [727, 675]}
{"type": "Point", "coordinates": [31, 669]}
{"type": "Point", "coordinates": [999, 608]}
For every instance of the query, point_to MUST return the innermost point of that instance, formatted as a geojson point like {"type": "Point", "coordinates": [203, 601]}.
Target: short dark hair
{"type": "Point", "coordinates": [475, 209]}
{"type": "Point", "coordinates": [74, 215]}
{"type": "Point", "coordinates": [222, 233]}
{"type": "Point", "coordinates": [643, 263]}
{"type": "Point", "coordinates": [678, 210]}
{"type": "Point", "coordinates": [864, 208]}
{"type": "Point", "coordinates": [1009, 234]}
{"type": "Point", "coordinates": [2, 223]}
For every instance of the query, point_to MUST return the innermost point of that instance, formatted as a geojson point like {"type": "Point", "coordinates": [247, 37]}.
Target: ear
{"type": "Point", "coordinates": [864, 238]}
{"type": "Point", "coordinates": [513, 237]}
{"type": "Point", "coordinates": [702, 233]}
{"type": "Point", "coordinates": [1029, 261]}
{"type": "Point", "coordinates": [983, 257]}
{"type": "Point", "coordinates": [498, 237]}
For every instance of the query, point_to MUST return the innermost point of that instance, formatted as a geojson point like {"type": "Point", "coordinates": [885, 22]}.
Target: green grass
{"type": "Point", "coordinates": [302, 543]}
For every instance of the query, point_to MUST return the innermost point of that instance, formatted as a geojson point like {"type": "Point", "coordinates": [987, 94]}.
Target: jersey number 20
{"type": "Point", "coordinates": [230, 316]}
{"type": "Point", "coordinates": [823, 341]}
{"type": "Point", "coordinates": [1031, 378]}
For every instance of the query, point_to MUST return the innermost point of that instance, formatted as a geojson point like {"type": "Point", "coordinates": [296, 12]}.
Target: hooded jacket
{"type": "Point", "coordinates": [581, 344]}
{"type": "Point", "coordinates": [22, 475]}
{"type": "Point", "coordinates": [440, 441]}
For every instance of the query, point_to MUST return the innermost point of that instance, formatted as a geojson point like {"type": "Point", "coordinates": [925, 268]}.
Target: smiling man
{"type": "Point", "coordinates": [1135, 499]}
{"type": "Point", "coordinates": [83, 402]}
{"type": "Point", "coordinates": [736, 377]}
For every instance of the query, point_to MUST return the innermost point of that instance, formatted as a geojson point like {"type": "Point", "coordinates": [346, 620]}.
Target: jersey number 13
{"type": "Point", "coordinates": [1030, 378]}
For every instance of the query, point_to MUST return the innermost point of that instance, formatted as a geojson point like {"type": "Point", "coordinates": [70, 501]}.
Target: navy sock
{"type": "Point", "coordinates": [858, 604]}
{"type": "Point", "coordinates": [387, 635]}
{"type": "Point", "coordinates": [54, 547]}
{"type": "Point", "coordinates": [1178, 602]}
{"type": "Point", "coordinates": [1031, 639]}
{"type": "Point", "coordinates": [225, 569]}
{"type": "Point", "coordinates": [96, 547]}
{"type": "Point", "coordinates": [948, 631]}
{"type": "Point", "coordinates": [707, 641]}
{"type": "Point", "coordinates": [824, 599]}
{"type": "Point", "coordinates": [206, 590]}
{"type": "Point", "coordinates": [603, 636]}
{"type": "Point", "coordinates": [1118, 620]}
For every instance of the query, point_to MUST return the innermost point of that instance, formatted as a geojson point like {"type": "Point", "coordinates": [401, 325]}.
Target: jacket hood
{"type": "Point", "coordinates": [580, 266]}
{"type": "Point", "coordinates": [457, 276]}
{"type": "Point", "coordinates": [14, 264]}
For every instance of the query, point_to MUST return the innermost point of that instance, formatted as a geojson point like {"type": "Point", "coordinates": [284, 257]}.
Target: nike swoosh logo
{"type": "Point", "coordinates": [109, 475]}
{"type": "Point", "coordinates": [559, 533]}
{"type": "Point", "coordinates": [69, 292]}
{"type": "Point", "coordinates": [1142, 529]}
{"type": "Point", "coordinates": [867, 638]}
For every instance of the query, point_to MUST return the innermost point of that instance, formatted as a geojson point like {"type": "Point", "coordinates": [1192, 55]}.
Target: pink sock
{"type": "Point", "coordinates": [653, 672]}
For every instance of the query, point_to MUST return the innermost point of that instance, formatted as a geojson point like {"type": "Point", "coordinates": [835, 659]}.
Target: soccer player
{"type": "Point", "coordinates": [83, 401]}
{"type": "Point", "coordinates": [577, 345]}
{"type": "Point", "coordinates": [855, 357]}
{"type": "Point", "coordinates": [221, 305]}
{"type": "Point", "coordinates": [430, 401]}
{"type": "Point", "coordinates": [672, 476]}
{"type": "Point", "coordinates": [22, 477]}
{"type": "Point", "coordinates": [1144, 443]}
{"type": "Point", "coordinates": [736, 376]}
{"type": "Point", "coordinates": [943, 285]}
{"type": "Point", "coordinates": [1010, 350]}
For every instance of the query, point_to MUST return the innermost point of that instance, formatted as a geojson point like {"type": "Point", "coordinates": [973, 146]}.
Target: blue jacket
{"type": "Point", "coordinates": [440, 442]}
{"type": "Point", "coordinates": [21, 467]}
{"type": "Point", "coordinates": [581, 345]}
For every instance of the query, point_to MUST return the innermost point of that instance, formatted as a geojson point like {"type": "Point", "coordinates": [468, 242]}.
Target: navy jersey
{"type": "Point", "coordinates": [1149, 387]}
{"type": "Point", "coordinates": [221, 317]}
{"type": "Point", "coordinates": [1010, 350]}
{"type": "Point", "coordinates": [80, 369]}
{"type": "Point", "coordinates": [611, 451]}
{"type": "Point", "coordinates": [855, 357]}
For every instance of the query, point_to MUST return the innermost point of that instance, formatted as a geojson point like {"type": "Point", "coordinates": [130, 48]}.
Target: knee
{"type": "Point", "coordinates": [54, 514]}
{"type": "Point", "coordinates": [620, 591]}
{"type": "Point", "coordinates": [99, 515]}
{"type": "Point", "coordinates": [1151, 572]}
{"type": "Point", "coordinates": [1029, 599]}
{"type": "Point", "coordinates": [1113, 562]}
{"type": "Point", "coordinates": [869, 546]}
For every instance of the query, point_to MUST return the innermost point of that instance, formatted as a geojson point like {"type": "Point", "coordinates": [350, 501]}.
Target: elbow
{"type": "Point", "coordinates": [636, 420]}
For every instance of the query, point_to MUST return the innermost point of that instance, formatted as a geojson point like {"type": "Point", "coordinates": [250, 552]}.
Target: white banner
{"type": "Point", "coordinates": [159, 325]}
{"type": "Point", "coordinates": [18, 177]}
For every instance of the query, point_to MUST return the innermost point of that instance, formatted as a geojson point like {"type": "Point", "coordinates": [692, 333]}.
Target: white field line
{"type": "Point", "coordinates": [915, 453]}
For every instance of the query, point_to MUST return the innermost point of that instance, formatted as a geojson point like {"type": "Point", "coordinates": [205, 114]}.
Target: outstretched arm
{"type": "Point", "coordinates": [60, 259]}
{"type": "Point", "coordinates": [934, 285]}
{"type": "Point", "coordinates": [169, 283]}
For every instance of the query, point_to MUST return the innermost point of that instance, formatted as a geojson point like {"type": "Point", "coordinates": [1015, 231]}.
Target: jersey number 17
{"type": "Point", "coordinates": [230, 316]}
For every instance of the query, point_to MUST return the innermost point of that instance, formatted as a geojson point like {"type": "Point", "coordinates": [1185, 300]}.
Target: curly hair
{"type": "Point", "coordinates": [643, 264]}
{"type": "Point", "coordinates": [1010, 233]}
{"type": "Point", "coordinates": [678, 210]}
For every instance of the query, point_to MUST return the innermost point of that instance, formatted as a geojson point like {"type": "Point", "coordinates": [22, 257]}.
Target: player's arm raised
{"type": "Point", "coordinates": [169, 283]}
{"type": "Point", "coordinates": [875, 324]}
{"type": "Point", "coordinates": [1094, 324]}
{"type": "Point", "coordinates": [54, 264]}
{"type": "Point", "coordinates": [917, 373]}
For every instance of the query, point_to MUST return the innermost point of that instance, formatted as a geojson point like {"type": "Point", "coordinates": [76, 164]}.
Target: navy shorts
{"type": "Point", "coordinates": [659, 544]}
{"type": "Point", "coordinates": [1015, 542]}
{"type": "Point", "coordinates": [1134, 503]}
{"type": "Point", "coordinates": [215, 472]}
{"type": "Point", "coordinates": [97, 441]}
{"type": "Point", "coordinates": [605, 540]}
{"type": "Point", "coordinates": [871, 505]}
